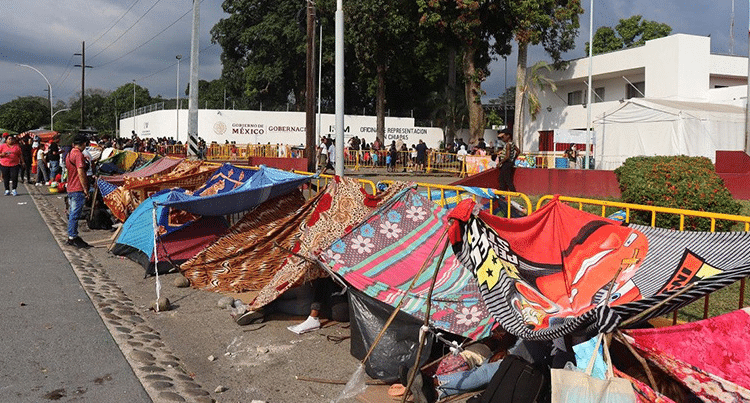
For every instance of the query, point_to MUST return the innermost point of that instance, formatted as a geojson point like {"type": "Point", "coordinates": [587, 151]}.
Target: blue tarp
{"type": "Point", "coordinates": [232, 190]}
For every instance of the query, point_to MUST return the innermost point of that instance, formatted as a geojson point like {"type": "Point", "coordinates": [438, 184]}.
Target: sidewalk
{"type": "Point", "coordinates": [54, 344]}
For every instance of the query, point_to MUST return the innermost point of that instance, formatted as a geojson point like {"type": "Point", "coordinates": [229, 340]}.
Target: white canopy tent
{"type": "Point", "coordinates": [651, 127]}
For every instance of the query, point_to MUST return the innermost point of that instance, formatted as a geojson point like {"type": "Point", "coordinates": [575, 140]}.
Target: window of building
{"type": "Point", "coordinates": [638, 91]}
{"type": "Point", "coordinates": [575, 97]}
{"type": "Point", "coordinates": [598, 95]}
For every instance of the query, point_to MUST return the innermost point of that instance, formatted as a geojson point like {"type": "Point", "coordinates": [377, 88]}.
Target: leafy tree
{"type": "Point", "coordinates": [605, 40]}
{"type": "Point", "coordinates": [552, 23]}
{"type": "Point", "coordinates": [480, 30]}
{"type": "Point", "coordinates": [263, 51]}
{"type": "Point", "coordinates": [380, 30]}
{"type": "Point", "coordinates": [537, 81]}
{"type": "Point", "coordinates": [628, 33]}
{"type": "Point", "coordinates": [25, 113]}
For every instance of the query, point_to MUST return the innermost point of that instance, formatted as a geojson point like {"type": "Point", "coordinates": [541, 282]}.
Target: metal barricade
{"type": "Point", "coordinates": [318, 184]}
{"type": "Point", "coordinates": [447, 195]}
{"type": "Point", "coordinates": [438, 161]}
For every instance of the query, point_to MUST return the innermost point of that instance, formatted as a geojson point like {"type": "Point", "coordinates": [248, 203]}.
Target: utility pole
{"type": "Point", "coordinates": [310, 89]}
{"type": "Point", "coordinates": [83, 67]}
{"type": "Point", "coordinates": [192, 135]}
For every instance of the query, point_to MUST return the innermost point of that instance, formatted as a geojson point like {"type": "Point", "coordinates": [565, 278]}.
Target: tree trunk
{"type": "Point", "coordinates": [518, 123]}
{"type": "Point", "coordinates": [380, 104]}
{"type": "Point", "coordinates": [450, 134]}
{"type": "Point", "coordinates": [473, 90]}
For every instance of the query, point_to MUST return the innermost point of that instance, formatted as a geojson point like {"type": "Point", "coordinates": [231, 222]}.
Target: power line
{"type": "Point", "coordinates": [144, 43]}
{"type": "Point", "coordinates": [115, 23]}
{"type": "Point", "coordinates": [127, 30]}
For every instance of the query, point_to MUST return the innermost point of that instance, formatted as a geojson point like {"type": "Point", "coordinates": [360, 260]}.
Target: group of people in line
{"type": "Point", "coordinates": [19, 155]}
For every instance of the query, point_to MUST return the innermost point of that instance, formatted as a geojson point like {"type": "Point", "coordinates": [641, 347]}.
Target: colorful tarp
{"type": "Point", "coordinates": [136, 241]}
{"type": "Point", "coordinates": [383, 254]}
{"type": "Point", "coordinates": [246, 258]}
{"type": "Point", "coordinates": [711, 356]}
{"type": "Point", "coordinates": [232, 190]}
{"type": "Point", "coordinates": [162, 165]}
{"type": "Point", "coordinates": [548, 274]}
{"type": "Point", "coordinates": [320, 222]}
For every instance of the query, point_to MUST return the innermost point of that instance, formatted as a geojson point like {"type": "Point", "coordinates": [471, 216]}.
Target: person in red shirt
{"type": "Point", "coordinates": [78, 189]}
{"type": "Point", "coordinates": [10, 164]}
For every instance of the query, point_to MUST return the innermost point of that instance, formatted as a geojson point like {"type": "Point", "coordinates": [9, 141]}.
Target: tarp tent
{"type": "Point", "coordinates": [220, 195]}
{"type": "Point", "coordinates": [382, 255]}
{"type": "Point", "coordinates": [249, 259]}
{"type": "Point", "coordinates": [548, 274]}
{"type": "Point", "coordinates": [181, 236]}
{"type": "Point", "coordinates": [647, 126]}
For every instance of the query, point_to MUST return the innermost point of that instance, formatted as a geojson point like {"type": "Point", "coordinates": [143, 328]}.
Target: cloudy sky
{"type": "Point", "coordinates": [139, 39]}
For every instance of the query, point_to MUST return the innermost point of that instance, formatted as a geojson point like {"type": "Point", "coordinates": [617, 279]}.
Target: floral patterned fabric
{"type": "Point", "coordinates": [383, 254]}
{"type": "Point", "coordinates": [711, 357]}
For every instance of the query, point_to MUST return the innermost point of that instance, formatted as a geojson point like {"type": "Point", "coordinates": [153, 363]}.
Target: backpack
{"type": "Point", "coordinates": [516, 381]}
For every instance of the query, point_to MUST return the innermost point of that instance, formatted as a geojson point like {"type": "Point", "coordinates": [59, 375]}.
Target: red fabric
{"type": "Point", "coordinates": [719, 346]}
{"type": "Point", "coordinates": [13, 159]}
{"type": "Point", "coordinates": [74, 161]}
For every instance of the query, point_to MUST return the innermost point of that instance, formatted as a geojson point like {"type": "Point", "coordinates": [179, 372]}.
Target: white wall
{"type": "Point", "coordinates": [261, 127]}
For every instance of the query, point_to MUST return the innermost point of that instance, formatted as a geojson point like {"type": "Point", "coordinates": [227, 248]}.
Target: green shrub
{"type": "Point", "coordinates": [678, 182]}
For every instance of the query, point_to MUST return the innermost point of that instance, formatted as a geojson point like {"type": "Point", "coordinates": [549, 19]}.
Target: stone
{"type": "Point", "coordinates": [161, 305]}
{"type": "Point", "coordinates": [211, 358]}
{"type": "Point", "coordinates": [220, 389]}
{"type": "Point", "coordinates": [225, 302]}
{"type": "Point", "coordinates": [181, 282]}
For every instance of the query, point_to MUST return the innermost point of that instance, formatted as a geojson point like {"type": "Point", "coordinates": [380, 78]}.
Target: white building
{"type": "Point", "coordinates": [668, 97]}
{"type": "Point", "coordinates": [262, 127]}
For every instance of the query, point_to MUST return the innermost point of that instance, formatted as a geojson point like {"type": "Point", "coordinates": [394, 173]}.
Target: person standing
{"type": "Point", "coordinates": [26, 155]}
{"type": "Point", "coordinates": [421, 156]}
{"type": "Point", "coordinates": [53, 158]}
{"type": "Point", "coordinates": [323, 155]}
{"type": "Point", "coordinates": [10, 162]}
{"type": "Point", "coordinates": [42, 173]}
{"type": "Point", "coordinates": [78, 188]}
{"type": "Point", "coordinates": [572, 155]}
{"type": "Point", "coordinates": [507, 161]}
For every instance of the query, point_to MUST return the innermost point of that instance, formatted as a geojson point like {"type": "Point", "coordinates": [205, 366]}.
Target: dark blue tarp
{"type": "Point", "coordinates": [223, 194]}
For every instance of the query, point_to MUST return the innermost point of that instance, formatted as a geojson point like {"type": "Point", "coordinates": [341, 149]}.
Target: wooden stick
{"type": "Point", "coordinates": [621, 338]}
{"type": "Point", "coordinates": [427, 314]}
{"type": "Point", "coordinates": [638, 317]}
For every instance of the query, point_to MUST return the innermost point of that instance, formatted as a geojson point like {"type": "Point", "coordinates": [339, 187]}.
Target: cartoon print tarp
{"type": "Point", "coordinates": [381, 256]}
{"type": "Point", "coordinates": [548, 274]}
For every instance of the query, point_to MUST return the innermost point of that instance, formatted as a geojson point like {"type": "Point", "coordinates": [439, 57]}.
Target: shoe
{"type": "Point", "coordinates": [307, 326]}
{"type": "Point", "coordinates": [250, 317]}
{"type": "Point", "coordinates": [78, 243]}
{"type": "Point", "coordinates": [7, 192]}
{"type": "Point", "coordinates": [38, 184]}
{"type": "Point", "coordinates": [14, 192]}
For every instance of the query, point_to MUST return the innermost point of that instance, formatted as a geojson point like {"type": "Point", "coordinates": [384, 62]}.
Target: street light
{"type": "Point", "coordinates": [52, 119]}
{"type": "Point", "coordinates": [177, 130]}
{"type": "Point", "coordinates": [49, 86]}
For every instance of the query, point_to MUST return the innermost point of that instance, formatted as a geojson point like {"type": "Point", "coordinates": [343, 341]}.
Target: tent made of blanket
{"type": "Point", "coordinates": [248, 258]}
{"type": "Point", "coordinates": [233, 190]}
{"type": "Point", "coordinates": [165, 164]}
{"type": "Point", "coordinates": [137, 186]}
{"type": "Point", "coordinates": [548, 274]}
{"type": "Point", "coordinates": [450, 199]}
{"type": "Point", "coordinates": [711, 356]}
{"type": "Point", "coordinates": [181, 235]}
{"type": "Point", "coordinates": [382, 255]}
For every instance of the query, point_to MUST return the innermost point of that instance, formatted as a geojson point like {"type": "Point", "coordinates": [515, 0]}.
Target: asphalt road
{"type": "Point", "coordinates": [54, 343]}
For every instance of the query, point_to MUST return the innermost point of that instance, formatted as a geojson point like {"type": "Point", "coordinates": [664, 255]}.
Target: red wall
{"type": "Point", "coordinates": [734, 168]}
{"type": "Point", "coordinates": [299, 164]}
{"type": "Point", "coordinates": [539, 181]}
